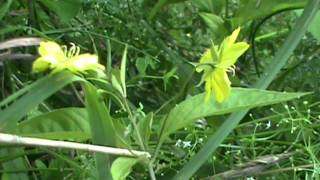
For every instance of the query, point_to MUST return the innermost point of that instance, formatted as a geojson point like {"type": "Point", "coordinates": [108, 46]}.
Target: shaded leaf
{"type": "Point", "coordinates": [144, 128]}
{"type": "Point", "coordinates": [33, 96]}
{"type": "Point", "coordinates": [215, 24]}
{"type": "Point", "coordinates": [250, 10]}
{"type": "Point", "coordinates": [4, 9]}
{"type": "Point", "coordinates": [63, 124]}
{"type": "Point", "coordinates": [65, 9]}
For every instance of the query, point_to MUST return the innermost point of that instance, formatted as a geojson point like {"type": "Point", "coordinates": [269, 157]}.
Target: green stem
{"type": "Point", "coordinates": [142, 145]}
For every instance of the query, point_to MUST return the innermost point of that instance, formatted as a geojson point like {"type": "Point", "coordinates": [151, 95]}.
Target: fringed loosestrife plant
{"type": "Point", "coordinates": [216, 62]}
{"type": "Point", "coordinates": [54, 56]}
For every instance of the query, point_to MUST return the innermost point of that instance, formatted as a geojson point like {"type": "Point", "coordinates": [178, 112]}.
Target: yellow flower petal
{"type": "Point", "coordinates": [85, 62]}
{"type": "Point", "coordinates": [232, 54]}
{"type": "Point", "coordinates": [220, 85]}
{"type": "Point", "coordinates": [40, 66]}
{"type": "Point", "coordinates": [232, 38]}
{"type": "Point", "coordinates": [50, 48]}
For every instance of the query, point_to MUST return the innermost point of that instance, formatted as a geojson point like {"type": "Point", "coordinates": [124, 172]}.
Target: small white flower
{"type": "Point", "coordinates": [178, 143]}
{"type": "Point", "coordinates": [268, 125]}
{"type": "Point", "coordinates": [186, 144]}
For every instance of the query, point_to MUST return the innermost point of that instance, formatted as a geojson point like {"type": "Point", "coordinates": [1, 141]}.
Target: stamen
{"type": "Point", "coordinates": [64, 49]}
{"type": "Point", "coordinates": [72, 50]}
{"type": "Point", "coordinates": [232, 70]}
{"type": "Point", "coordinates": [77, 51]}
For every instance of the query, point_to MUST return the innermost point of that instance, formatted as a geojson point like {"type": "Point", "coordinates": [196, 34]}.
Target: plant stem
{"type": "Point", "coordinates": [142, 145]}
{"type": "Point", "coordinates": [19, 140]}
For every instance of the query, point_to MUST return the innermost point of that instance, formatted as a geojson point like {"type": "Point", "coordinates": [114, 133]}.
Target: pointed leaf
{"type": "Point", "coordinates": [194, 107]}
{"type": "Point", "coordinates": [63, 124]}
{"type": "Point", "coordinates": [123, 71]}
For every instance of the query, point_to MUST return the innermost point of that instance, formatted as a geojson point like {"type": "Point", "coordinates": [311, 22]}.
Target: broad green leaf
{"type": "Point", "coordinates": [65, 9]}
{"type": "Point", "coordinates": [194, 107]}
{"type": "Point", "coordinates": [250, 9]}
{"type": "Point", "coordinates": [215, 24]}
{"type": "Point", "coordinates": [33, 96]}
{"type": "Point", "coordinates": [63, 124]}
{"type": "Point", "coordinates": [102, 128]}
{"type": "Point", "coordinates": [123, 71]}
{"type": "Point", "coordinates": [121, 167]}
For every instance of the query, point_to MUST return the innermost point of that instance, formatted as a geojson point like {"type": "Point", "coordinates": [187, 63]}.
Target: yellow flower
{"type": "Point", "coordinates": [215, 63]}
{"type": "Point", "coordinates": [53, 56]}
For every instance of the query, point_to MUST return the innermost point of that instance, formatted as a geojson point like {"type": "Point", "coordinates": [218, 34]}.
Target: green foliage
{"type": "Point", "coordinates": [194, 108]}
{"type": "Point", "coordinates": [64, 124]}
{"type": "Point", "coordinates": [215, 24]}
{"type": "Point", "coordinates": [65, 9]}
{"type": "Point", "coordinates": [148, 96]}
{"type": "Point", "coordinates": [102, 128]}
{"type": "Point", "coordinates": [250, 10]}
{"type": "Point", "coordinates": [121, 167]}
{"type": "Point", "coordinates": [36, 93]}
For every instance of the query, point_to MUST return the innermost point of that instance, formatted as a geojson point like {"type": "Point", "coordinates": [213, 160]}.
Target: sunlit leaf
{"type": "Point", "coordinates": [194, 107]}
{"type": "Point", "coordinates": [122, 167]}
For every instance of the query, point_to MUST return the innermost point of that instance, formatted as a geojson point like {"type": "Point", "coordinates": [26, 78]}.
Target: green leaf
{"type": "Point", "coordinates": [314, 27]}
{"type": "Point", "coordinates": [4, 9]}
{"type": "Point", "coordinates": [215, 24]}
{"type": "Point", "coordinates": [144, 128]}
{"type": "Point", "coordinates": [159, 5]}
{"type": "Point", "coordinates": [212, 6]}
{"type": "Point", "coordinates": [250, 10]}
{"type": "Point", "coordinates": [102, 128]}
{"type": "Point", "coordinates": [17, 163]}
{"type": "Point", "coordinates": [142, 64]}
{"type": "Point", "coordinates": [121, 167]}
{"type": "Point", "coordinates": [116, 81]}
{"type": "Point", "coordinates": [33, 96]}
{"type": "Point", "coordinates": [168, 76]}
{"type": "Point", "coordinates": [194, 107]}
{"type": "Point", "coordinates": [63, 124]}
{"type": "Point", "coordinates": [65, 9]}
{"type": "Point", "coordinates": [123, 71]}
